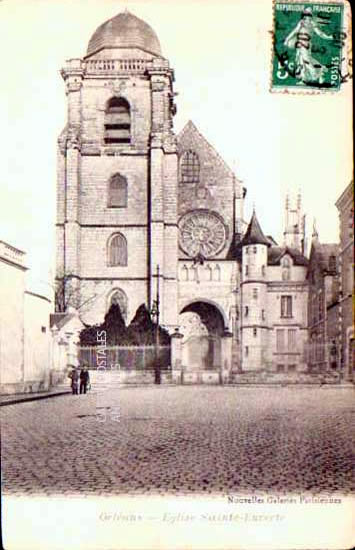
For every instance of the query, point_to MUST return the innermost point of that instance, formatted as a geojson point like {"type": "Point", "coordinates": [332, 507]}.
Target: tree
{"type": "Point", "coordinates": [141, 331]}
{"type": "Point", "coordinates": [89, 335]}
{"type": "Point", "coordinates": [113, 326]}
{"type": "Point", "coordinates": [67, 294]}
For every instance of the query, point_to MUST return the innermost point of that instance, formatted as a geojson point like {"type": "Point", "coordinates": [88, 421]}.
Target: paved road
{"type": "Point", "coordinates": [180, 439]}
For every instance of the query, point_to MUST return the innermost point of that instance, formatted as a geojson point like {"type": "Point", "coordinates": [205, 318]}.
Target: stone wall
{"type": "Point", "coordinates": [38, 342]}
{"type": "Point", "coordinates": [12, 286]}
{"type": "Point", "coordinates": [25, 337]}
{"type": "Point", "coordinates": [345, 205]}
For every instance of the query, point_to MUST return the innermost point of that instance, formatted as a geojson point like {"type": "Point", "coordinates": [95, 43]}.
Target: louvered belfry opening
{"type": "Point", "coordinates": [118, 121]}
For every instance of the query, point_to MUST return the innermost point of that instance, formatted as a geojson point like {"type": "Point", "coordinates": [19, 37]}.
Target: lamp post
{"type": "Point", "coordinates": [155, 312]}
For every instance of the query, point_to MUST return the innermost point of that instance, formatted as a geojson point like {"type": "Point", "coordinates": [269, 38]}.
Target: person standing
{"type": "Point", "coordinates": [84, 379]}
{"type": "Point", "coordinates": [74, 376]}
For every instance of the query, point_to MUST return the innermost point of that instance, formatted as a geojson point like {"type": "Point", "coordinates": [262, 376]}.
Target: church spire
{"type": "Point", "coordinates": [293, 235]}
{"type": "Point", "coordinates": [314, 232]}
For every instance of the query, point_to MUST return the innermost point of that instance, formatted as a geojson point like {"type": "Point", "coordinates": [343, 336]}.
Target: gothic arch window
{"type": "Point", "coordinates": [117, 121]}
{"type": "Point", "coordinates": [117, 191]}
{"type": "Point", "coordinates": [119, 297]}
{"type": "Point", "coordinates": [189, 167]}
{"type": "Point", "coordinates": [117, 250]}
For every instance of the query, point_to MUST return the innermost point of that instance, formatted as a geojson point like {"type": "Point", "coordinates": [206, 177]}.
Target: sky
{"type": "Point", "coordinates": [221, 52]}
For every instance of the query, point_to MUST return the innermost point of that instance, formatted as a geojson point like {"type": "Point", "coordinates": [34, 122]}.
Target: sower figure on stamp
{"type": "Point", "coordinates": [74, 376]}
{"type": "Point", "coordinates": [307, 68]}
{"type": "Point", "coordinates": [84, 379]}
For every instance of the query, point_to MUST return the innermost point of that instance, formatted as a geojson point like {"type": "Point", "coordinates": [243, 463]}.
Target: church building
{"type": "Point", "coordinates": [140, 209]}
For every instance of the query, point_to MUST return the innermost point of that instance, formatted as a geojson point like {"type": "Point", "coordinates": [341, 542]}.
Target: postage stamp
{"type": "Point", "coordinates": [308, 41]}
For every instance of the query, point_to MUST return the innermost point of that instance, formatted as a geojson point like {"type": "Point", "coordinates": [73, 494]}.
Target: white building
{"type": "Point", "coordinates": [25, 338]}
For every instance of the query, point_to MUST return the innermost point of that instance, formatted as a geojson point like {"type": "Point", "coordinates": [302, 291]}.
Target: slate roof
{"type": "Point", "coordinates": [254, 234]}
{"type": "Point", "coordinates": [60, 319]}
{"type": "Point", "coordinates": [275, 253]}
{"type": "Point", "coordinates": [272, 240]}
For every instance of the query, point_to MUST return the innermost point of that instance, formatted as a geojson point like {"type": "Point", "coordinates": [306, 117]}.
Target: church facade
{"type": "Point", "coordinates": [140, 209]}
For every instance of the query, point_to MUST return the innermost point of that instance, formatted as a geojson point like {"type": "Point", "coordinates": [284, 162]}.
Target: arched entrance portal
{"type": "Point", "coordinates": [202, 327]}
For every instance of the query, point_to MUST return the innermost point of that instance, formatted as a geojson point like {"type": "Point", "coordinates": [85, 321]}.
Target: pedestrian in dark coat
{"type": "Point", "coordinates": [74, 376]}
{"type": "Point", "coordinates": [84, 379]}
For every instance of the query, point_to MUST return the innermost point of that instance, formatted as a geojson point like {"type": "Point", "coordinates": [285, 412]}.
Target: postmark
{"type": "Point", "coordinates": [308, 45]}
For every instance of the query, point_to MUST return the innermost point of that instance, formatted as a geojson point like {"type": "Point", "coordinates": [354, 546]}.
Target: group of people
{"type": "Point", "coordinates": [82, 376]}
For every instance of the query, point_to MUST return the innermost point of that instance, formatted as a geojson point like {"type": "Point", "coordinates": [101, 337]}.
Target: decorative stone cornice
{"type": "Point", "coordinates": [118, 85]}
{"type": "Point", "coordinates": [12, 255]}
{"type": "Point", "coordinates": [170, 143]}
{"type": "Point", "coordinates": [90, 150]}
{"type": "Point", "coordinates": [73, 74]}
{"type": "Point", "coordinates": [73, 67]}
{"type": "Point", "coordinates": [72, 86]}
{"type": "Point", "coordinates": [156, 139]}
{"type": "Point", "coordinates": [163, 140]}
{"type": "Point", "coordinates": [73, 138]}
{"type": "Point", "coordinates": [159, 71]}
{"type": "Point", "coordinates": [158, 85]}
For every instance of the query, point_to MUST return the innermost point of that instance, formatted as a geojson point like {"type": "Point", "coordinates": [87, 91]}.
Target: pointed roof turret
{"type": "Point", "coordinates": [254, 234]}
{"type": "Point", "coordinates": [315, 236]}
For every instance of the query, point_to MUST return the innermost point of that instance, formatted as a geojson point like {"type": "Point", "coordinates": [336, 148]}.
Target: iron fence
{"type": "Point", "coordinates": [125, 357]}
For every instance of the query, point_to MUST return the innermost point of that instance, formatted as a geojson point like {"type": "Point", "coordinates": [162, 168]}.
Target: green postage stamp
{"type": "Point", "coordinates": [308, 42]}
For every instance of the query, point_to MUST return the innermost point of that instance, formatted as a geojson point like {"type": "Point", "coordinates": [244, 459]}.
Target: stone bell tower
{"type": "Point", "coordinates": [117, 174]}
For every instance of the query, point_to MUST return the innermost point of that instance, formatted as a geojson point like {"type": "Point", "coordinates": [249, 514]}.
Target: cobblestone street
{"type": "Point", "coordinates": [180, 440]}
